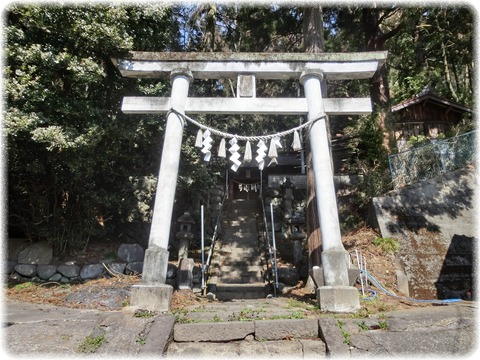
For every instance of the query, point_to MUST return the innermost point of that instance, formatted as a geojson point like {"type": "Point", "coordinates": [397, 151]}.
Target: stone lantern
{"type": "Point", "coordinates": [298, 237]}
{"type": "Point", "coordinates": [292, 221]}
{"type": "Point", "coordinates": [288, 198]}
{"type": "Point", "coordinates": [185, 235]}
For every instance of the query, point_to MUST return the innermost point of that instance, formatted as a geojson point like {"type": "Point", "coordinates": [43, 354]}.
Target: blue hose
{"type": "Point", "coordinates": [446, 301]}
{"type": "Point", "coordinates": [374, 295]}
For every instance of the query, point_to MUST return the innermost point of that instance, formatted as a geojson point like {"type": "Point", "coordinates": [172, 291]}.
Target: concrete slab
{"type": "Point", "coordinates": [221, 331]}
{"type": "Point", "coordinates": [203, 350]}
{"type": "Point", "coordinates": [292, 349]}
{"type": "Point", "coordinates": [333, 337]}
{"type": "Point", "coordinates": [429, 331]}
{"type": "Point", "coordinates": [46, 338]}
{"type": "Point", "coordinates": [435, 223]}
{"type": "Point", "coordinates": [405, 343]}
{"type": "Point", "coordinates": [46, 330]}
{"type": "Point", "coordinates": [245, 309]}
{"type": "Point", "coordinates": [158, 335]}
{"type": "Point", "coordinates": [278, 349]}
{"type": "Point", "coordinates": [124, 335]}
{"type": "Point", "coordinates": [286, 329]}
{"type": "Point", "coordinates": [313, 348]}
{"type": "Point", "coordinates": [156, 297]}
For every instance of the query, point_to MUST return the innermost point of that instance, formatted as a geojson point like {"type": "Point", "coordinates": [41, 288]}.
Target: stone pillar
{"type": "Point", "coordinates": [336, 295]}
{"type": "Point", "coordinates": [185, 274]}
{"type": "Point", "coordinates": [298, 237]}
{"type": "Point", "coordinates": [153, 294]}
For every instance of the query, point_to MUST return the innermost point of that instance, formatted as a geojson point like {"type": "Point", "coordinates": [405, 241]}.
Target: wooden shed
{"type": "Point", "coordinates": [426, 114]}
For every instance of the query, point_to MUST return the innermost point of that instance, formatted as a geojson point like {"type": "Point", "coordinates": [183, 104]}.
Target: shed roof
{"type": "Point", "coordinates": [428, 95]}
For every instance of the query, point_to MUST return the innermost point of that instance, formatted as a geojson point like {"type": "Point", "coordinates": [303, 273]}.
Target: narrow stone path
{"type": "Point", "coordinates": [239, 261]}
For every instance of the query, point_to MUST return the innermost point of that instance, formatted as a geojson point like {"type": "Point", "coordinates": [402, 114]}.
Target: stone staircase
{"type": "Point", "coordinates": [238, 266]}
{"type": "Point", "coordinates": [250, 328]}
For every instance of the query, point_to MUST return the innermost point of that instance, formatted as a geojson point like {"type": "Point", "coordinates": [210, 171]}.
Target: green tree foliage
{"type": "Point", "coordinates": [426, 46]}
{"type": "Point", "coordinates": [435, 49]}
{"type": "Point", "coordinates": [77, 166]}
{"type": "Point", "coordinates": [72, 156]}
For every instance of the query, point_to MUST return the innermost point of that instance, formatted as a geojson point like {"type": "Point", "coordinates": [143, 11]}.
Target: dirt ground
{"type": "Point", "coordinates": [111, 293]}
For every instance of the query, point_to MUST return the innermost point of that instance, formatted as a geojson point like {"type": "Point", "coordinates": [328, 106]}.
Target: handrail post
{"type": "Point", "coordinates": [267, 238]}
{"type": "Point", "coordinates": [226, 184]}
{"type": "Point", "coordinates": [274, 251]}
{"type": "Point", "coordinates": [261, 186]}
{"type": "Point", "coordinates": [206, 267]}
{"type": "Point", "coordinates": [203, 246]}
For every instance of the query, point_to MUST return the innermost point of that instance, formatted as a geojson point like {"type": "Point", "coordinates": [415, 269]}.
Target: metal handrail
{"type": "Point", "coordinates": [271, 252]}
{"type": "Point", "coordinates": [275, 272]}
{"type": "Point", "coordinates": [206, 266]}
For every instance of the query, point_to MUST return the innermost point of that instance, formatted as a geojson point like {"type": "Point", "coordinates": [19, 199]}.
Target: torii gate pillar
{"type": "Point", "coordinates": [337, 295]}
{"type": "Point", "coordinates": [153, 293]}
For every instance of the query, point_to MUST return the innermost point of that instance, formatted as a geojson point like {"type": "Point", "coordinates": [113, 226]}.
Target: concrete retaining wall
{"type": "Point", "coordinates": [435, 224]}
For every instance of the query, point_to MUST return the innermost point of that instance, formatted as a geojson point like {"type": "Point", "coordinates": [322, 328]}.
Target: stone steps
{"type": "Point", "coordinates": [248, 328]}
{"type": "Point", "coordinates": [248, 310]}
{"type": "Point", "coordinates": [243, 245]}
{"type": "Point", "coordinates": [250, 349]}
{"type": "Point", "coordinates": [238, 266]}
{"type": "Point", "coordinates": [249, 257]}
{"type": "Point", "coordinates": [262, 330]}
{"type": "Point", "coordinates": [229, 291]}
{"type": "Point", "coordinates": [244, 277]}
{"type": "Point", "coordinates": [241, 268]}
{"type": "Point", "coordinates": [241, 274]}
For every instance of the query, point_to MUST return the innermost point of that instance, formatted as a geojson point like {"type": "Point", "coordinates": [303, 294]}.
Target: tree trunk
{"type": "Point", "coordinates": [314, 237]}
{"type": "Point", "coordinates": [313, 30]}
{"type": "Point", "coordinates": [313, 43]}
{"type": "Point", "coordinates": [446, 66]}
{"type": "Point", "coordinates": [379, 91]}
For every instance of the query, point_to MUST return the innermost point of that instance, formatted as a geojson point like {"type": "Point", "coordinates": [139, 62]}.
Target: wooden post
{"type": "Point", "coordinates": [337, 295]}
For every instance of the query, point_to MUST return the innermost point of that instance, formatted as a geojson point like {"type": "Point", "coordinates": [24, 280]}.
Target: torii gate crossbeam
{"type": "Point", "coordinates": [310, 70]}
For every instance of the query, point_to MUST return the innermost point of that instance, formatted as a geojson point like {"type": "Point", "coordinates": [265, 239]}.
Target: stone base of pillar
{"type": "Point", "coordinates": [157, 297]}
{"type": "Point", "coordinates": [337, 295]}
{"type": "Point", "coordinates": [155, 265]}
{"type": "Point", "coordinates": [185, 274]}
{"type": "Point", "coordinates": [343, 299]}
{"type": "Point", "coordinates": [316, 273]}
{"type": "Point", "coordinates": [335, 267]}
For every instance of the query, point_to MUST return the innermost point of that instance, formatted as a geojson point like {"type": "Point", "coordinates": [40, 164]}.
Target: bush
{"type": "Point", "coordinates": [388, 245]}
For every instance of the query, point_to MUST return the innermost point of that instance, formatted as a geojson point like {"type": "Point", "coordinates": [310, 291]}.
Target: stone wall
{"type": "Point", "coordinates": [33, 262]}
{"type": "Point", "coordinates": [435, 224]}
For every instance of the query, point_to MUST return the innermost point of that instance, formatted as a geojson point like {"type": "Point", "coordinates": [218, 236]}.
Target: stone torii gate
{"type": "Point", "coordinates": [310, 70]}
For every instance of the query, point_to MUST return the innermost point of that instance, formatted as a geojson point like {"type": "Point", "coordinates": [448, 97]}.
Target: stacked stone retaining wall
{"type": "Point", "coordinates": [33, 262]}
